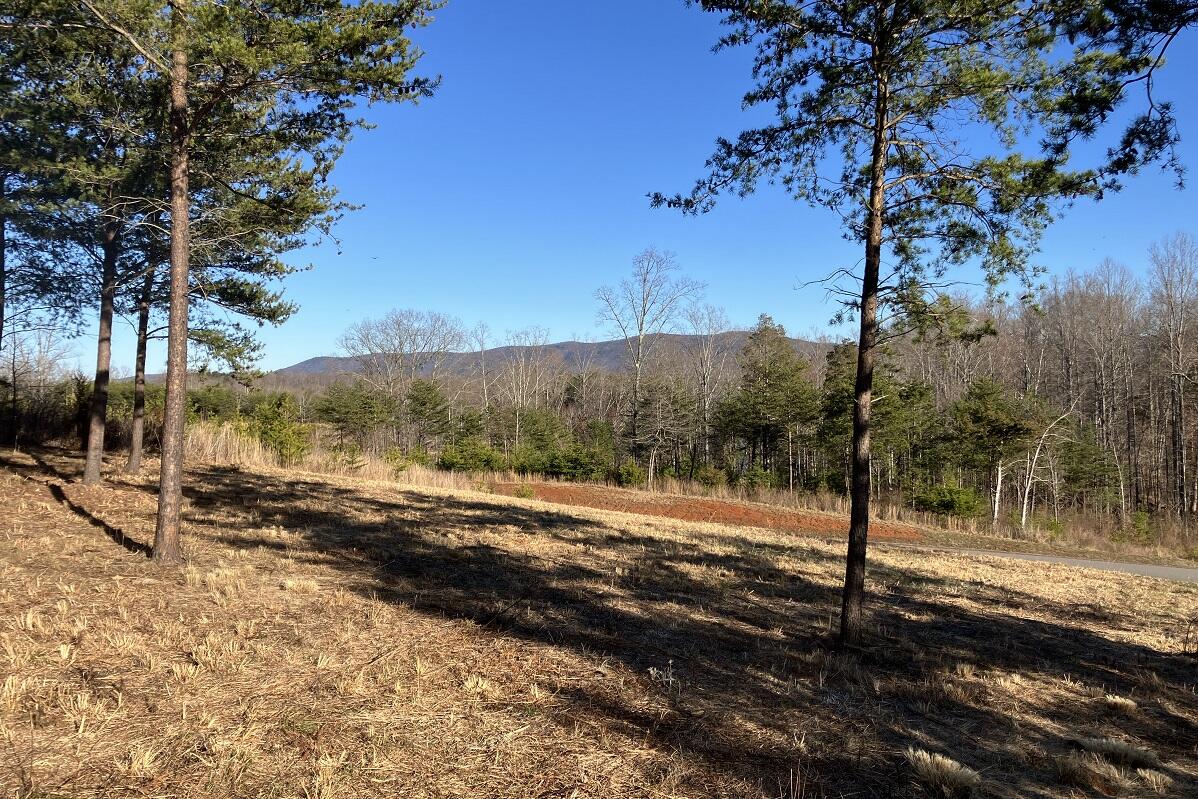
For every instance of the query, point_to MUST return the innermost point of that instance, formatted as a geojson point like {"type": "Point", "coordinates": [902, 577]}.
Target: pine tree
{"type": "Point", "coordinates": [900, 95]}
{"type": "Point", "coordinates": [276, 81]}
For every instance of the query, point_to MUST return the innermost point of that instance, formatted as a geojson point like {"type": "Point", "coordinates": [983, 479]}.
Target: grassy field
{"type": "Point", "coordinates": [339, 638]}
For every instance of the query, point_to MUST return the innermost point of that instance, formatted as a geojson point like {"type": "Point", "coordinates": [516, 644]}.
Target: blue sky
{"type": "Point", "coordinates": [520, 188]}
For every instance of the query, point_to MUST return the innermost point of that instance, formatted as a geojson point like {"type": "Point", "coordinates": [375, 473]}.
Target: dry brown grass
{"type": "Point", "coordinates": [942, 776]}
{"type": "Point", "coordinates": [331, 637]}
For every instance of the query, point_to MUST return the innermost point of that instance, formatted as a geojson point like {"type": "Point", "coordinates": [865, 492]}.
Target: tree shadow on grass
{"type": "Point", "coordinates": [735, 631]}
{"type": "Point", "coordinates": [115, 533]}
{"type": "Point", "coordinates": [727, 636]}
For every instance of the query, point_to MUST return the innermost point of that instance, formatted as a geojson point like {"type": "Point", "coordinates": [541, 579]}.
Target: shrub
{"type": "Point", "coordinates": [577, 463]}
{"type": "Point", "coordinates": [399, 460]}
{"type": "Point", "coordinates": [629, 474]}
{"type": "Point", "coordinates": [470, 455]}
{"type": "Point", "coordinates": [276, 424]}
{"type": "Point", "coordinates": [710, 476]}
{"type": "Point", "coordinates": [755, 477]}
{"type": "Point", "coordinates": [949, 499]}
{"type": "Point", "coordinates": [525, 491]}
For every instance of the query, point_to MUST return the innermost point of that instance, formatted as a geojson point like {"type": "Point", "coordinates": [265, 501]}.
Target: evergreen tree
{"type": "Point", "coordinates": [774, 395]}
{"type": "Point", "coordinates": [879, 85]}
{"type": "Point", "coordinates": [275, 80]}
{"type": "Point", "coordinates": [990, 427]}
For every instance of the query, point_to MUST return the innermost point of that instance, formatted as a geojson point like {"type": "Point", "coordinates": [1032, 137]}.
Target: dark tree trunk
{"type": "Point", "coordinates": [859, 492]}
{"type": "Point", "coordinates": [99, 404]}
{"type": "Point", "coordinates": [3, 262]}
{"type": "Point", "coordinates": [138, 431]}
{"type": "Point", "coordinates": [170, 492]}
{"type": "Point", "coordinates": [14, 397]}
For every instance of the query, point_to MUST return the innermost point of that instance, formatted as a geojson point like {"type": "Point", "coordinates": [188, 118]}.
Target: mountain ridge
{"type": "Point", "coordinates": [606, 356]}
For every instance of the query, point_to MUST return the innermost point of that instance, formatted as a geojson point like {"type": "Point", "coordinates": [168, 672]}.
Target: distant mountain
{"type": "Point", "coordinates": [605, 356]}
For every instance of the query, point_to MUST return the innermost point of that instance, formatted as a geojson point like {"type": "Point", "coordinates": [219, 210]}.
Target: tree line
{"type": "Point", "coordinates": [1071, 402]}
{"type": "Point", "coordinates": [1060, 409]}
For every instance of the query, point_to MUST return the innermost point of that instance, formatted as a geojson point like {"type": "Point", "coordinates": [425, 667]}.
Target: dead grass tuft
{"type": "Point", "coordinates": [1119, 704]}
{"type": "Point", "coordinates": [1158, 781]}
{"type": "Point", "coordinates": [1092, 773]}
{"type": "Point", "coordinates": [942, 776]}
{"type": "Point", "coordinates": [1120, 752]}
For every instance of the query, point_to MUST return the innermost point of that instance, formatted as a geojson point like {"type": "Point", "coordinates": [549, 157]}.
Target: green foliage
{"type": "Point", "coordinates": [579, 463]}
{"type": "Point", "coordinates": [990, 425]}
{"type": "Point", "coordinates": [399, 460]}
{"type": "Point", "coordinates": [428, 410]}
{"type": "Point", "coordinates": [525, 491]}
{"type": "Point", "coordinates": [214, 403]}
{"type": "Point", "coordinates": [951, 500]}
{"type": "Point", "coordinates": [276, 423]}
{"type": "Point", "coordinates": [354, 411]}
{"type": "Point", "coordinates": [470, 455]}
{"type": "Point", "coordinates": [834, 78]}
{"type": "Point", "coordinates": [1089, 472]}
{"type": "Point", "coordinates": [755, 478]}
{"type": "Point", "coordinates": [1056, 528]}
{"type": "Point", "coordinates": [629, 474]}
{"type": "Point", "coordinates": [774, 392]}
{"type": "Point", "coordinates": [710, 476]}
{"type": "Point", "coordinates": [1139, 531]}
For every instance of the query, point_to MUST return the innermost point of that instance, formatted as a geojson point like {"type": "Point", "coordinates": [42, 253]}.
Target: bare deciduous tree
{"type": "Point", "coordinates": [709, 357]}
{"type": "Point", "coordinates": [401, 346]}
{"type": "Point", "coordinates": [644, 306]}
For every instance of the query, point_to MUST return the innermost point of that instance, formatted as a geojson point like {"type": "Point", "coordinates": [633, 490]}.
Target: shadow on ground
{"type": "Point", "coordinates": [733, 634]}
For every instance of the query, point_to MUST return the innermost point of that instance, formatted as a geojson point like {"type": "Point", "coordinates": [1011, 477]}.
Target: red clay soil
{"type": "Point", "coordinates": [703, 509]}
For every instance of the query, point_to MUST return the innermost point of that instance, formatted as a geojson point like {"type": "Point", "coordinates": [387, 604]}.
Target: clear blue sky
{"type": "Point", "coordinates": [520, 188]}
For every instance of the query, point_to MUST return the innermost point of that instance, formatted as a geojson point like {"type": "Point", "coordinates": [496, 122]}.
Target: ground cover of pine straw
{"type": "Point", "coordinates": [333, 638]}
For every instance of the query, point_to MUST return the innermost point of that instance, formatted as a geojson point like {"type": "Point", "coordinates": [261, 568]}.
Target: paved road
{"type": "Point", "coordinates": [1178, 573]}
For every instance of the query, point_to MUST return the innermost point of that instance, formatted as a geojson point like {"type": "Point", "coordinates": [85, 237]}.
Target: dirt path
{"type": "Point", "coordinates": [704, 509]}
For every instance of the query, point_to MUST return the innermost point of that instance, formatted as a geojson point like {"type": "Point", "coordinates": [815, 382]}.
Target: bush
{"type": "Point", "coordinates": [629, 474]}
{"type": "Point", "coordinates": [470, 455]}
{"type": "Point", "coordinates": [1138, 532]}
{"type": "Point", "coordinates": [276, 424]}
{"type": "Point", "coordinates": [577, 463]}
{"type": "Point", "coordinates": [755, 477]}
{"type": "Point", "coordinates": [710, 476]}
{"type": "Point", "coordinates": [399, 460]}
{"type": "Point", "coordinates": [525, 491]}
{"type": "Point", "coordinates": [950, 500]}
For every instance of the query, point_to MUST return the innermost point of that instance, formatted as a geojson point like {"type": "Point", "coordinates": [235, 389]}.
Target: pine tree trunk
{"type": "Point", "coordinates": [137, 433]}
{"type": "Point", "coordinates": [15, 410]}
{"type": "Point", "coordinates": [854, 578]}
{"type": "Point", "coordinates": [170, 495]}
{"type": "Point", "coordinates": [3, 261]}
{"type": "Point", "coordinates": [99, 404]}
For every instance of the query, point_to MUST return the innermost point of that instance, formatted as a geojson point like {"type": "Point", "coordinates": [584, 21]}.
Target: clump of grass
{"type": "Point", "coordinates": [942, 776]}
{"type": "Point", "coordinates": [1090, 772]}
{"type": "Point", "coordinates": [300, 584]}
{"type": "Point", "coordinates": [1120, 752]}
{"type": "Point", "coordinates": [1158, 781]}
{"type": "Point", "coordinates": [1119, 704]}
{"type": "Point", "coordinates": [525, 491]}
